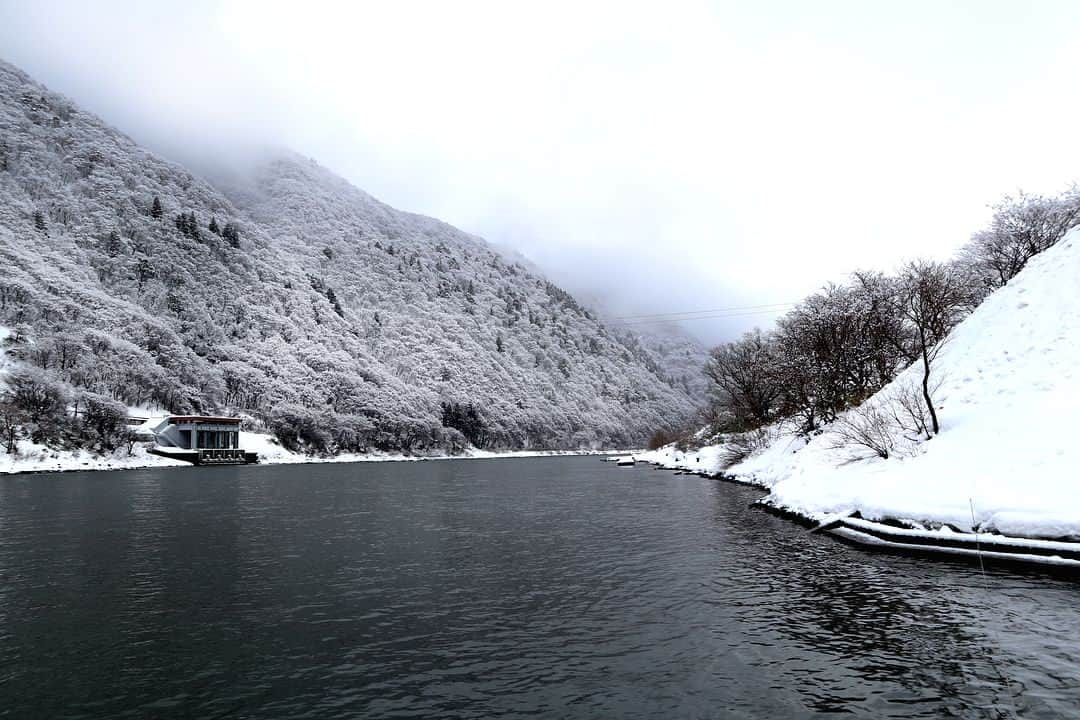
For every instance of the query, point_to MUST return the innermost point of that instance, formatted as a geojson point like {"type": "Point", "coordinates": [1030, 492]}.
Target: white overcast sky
{"type": "Point", "coordinates": [665, 156]}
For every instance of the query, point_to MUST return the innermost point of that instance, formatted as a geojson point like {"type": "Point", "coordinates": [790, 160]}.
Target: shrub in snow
{"type": "Point", "coordinates": [299, 429]}
{"type": "Point", "coordinates": [739, 446]}
{"type": "Point", "coordinates": [103, 425]}
{"type": "Point", "coordinates": [11, 422]}
{"type": "Point", "coordinates": [39, 402]}
{"type": "Point", "coordinates": [867, 426]}
{"type": "Point", "coordinates": [660, 438]}
{"type": "Point", "coordinates": [910, 409]}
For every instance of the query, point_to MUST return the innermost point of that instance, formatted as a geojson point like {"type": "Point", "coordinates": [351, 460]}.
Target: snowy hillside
{"type": "Point", "coordinates": [679, 354]}
{"type": "Point", "coordinates": [295, 299]}
{"type": "Point", "coordinates": [1008, 405]}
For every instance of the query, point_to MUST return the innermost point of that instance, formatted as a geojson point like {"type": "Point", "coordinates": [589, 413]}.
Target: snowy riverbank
{"type": "Point", "coordinates": [39, 459]}
{"type": "Point", "coordinates": [1006, 459]}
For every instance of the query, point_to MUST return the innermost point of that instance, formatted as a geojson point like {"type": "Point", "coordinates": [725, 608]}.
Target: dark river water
{"type": "Point", "coordinates": [554, 588]}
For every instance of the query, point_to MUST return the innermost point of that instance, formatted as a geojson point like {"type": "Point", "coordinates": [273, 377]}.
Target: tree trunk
{"type": "Point", "coordinates": [926, 382]}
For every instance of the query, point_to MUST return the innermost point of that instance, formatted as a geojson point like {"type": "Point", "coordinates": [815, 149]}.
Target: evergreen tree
{"type": "Point", "coordinates": [143, 271]}
{"type": "Point", "coordinates": [193, 227]}
{"type": "Point", "coordinates": [113, 246]}
{"type": "Point", "coordinates": [155, 209]}
{"type": "Point", "coordinates": [174, 303]}
{"type": "Point", "coordinates": [467, 420]}
{"type": "Point", "coordinates": [231, 235]}
{"type": "Point", "coordinates": [188, 225]}
{"type": "Point", "coordinates": [499, 343]}
{"type": "Point", "coordinates": [39, 222]}
{"type": "Point", "coordinates": [332, 297]}
{"type": "Point", "coordinates": [213, 226]}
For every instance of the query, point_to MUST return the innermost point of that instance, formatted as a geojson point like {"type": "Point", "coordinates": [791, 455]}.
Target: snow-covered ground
{"type": "Point", "coordinates": [271, 453]}
{"type": "Point", "coordinates": [37, 458]}
{"type": "Point", "coordinates": [764, 468]}
{"type": "Point", "coordinates": [1008, 452]}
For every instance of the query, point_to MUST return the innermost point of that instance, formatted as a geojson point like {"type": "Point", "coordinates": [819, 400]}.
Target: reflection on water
{"type": "Point", "coordinates": [536, 587]}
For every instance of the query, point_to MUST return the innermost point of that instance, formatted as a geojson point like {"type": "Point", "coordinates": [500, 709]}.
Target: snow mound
{"type": "Point", "coordinates": [1007, 454]}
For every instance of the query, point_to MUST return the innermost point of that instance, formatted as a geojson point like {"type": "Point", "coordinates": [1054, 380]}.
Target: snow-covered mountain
{"type": "Point", "coordinates": [293, 297]}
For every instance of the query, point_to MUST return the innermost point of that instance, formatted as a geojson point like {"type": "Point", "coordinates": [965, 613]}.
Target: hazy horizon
{"type": "Point", "coordinates": [710, 156]}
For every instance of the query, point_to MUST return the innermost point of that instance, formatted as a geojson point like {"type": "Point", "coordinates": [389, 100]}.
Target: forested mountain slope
{"type": "Point", "coordinates": [295, 298]}
{"type": "Point", "coordinates": [681, 355]}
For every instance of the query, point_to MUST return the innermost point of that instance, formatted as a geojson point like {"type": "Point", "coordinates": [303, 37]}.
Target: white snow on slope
{"type": "Point", "coordinates": [1009, 444]}
{"type": "Point", "coordinates": [765, 468]}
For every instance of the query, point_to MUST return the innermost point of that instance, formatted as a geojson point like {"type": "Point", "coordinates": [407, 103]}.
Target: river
{"type": "Point", "coordinates": [511, 588]}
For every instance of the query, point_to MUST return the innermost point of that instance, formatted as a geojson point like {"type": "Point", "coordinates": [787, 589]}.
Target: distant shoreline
{"type": "Point", "coordinates": [145, 461]}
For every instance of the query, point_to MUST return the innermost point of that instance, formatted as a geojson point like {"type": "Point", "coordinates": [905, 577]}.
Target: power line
{"type": "Point", "coordinates": [769, 307]}
{"type": "Point", "coordinates": [698, 317]}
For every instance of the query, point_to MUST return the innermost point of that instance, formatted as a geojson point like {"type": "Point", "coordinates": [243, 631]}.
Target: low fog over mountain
{"type": "Point", "coordinates": [291, 296]}
{"type": "Point", "coordinates": [692, 157]}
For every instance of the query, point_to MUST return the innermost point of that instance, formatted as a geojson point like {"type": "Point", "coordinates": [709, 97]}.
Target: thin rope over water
{"type": "Point", "coordinates": [986, 590]}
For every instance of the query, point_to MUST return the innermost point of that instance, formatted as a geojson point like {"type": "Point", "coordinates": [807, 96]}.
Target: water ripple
{"type": "Point", "coordinates": [500, 589]}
